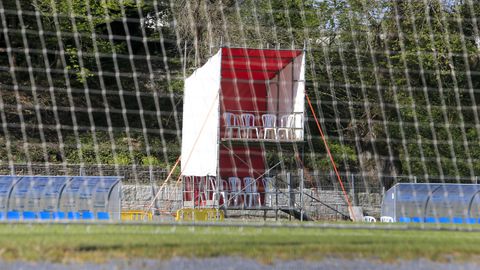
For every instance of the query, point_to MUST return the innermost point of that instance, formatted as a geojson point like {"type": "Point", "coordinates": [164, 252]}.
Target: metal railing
{"type": "Point", "coordinates": [132, 174]}
{"type": "Point", "coordinates": [291, 127]}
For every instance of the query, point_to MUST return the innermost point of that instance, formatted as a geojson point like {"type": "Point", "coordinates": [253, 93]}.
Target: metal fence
{"type": "Point", "coordinates": [368, 183]}
{"type": "Point", "coordinates": [320, 193]}
{"type": "Point", "coordinates": [132, 174]}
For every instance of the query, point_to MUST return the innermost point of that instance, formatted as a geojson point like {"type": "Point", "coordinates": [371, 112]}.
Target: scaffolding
{"type": "Point", "coordinates": [240, 105]}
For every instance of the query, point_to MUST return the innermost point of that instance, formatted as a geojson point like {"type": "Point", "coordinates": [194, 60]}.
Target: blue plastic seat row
{"type": "Point", "coordinates": [454, 220]}
{"type": "Point", "coordinates": [46, 215]}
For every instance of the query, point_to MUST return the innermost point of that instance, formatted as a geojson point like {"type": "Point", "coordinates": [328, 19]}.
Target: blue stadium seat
{"type": "Point", "coordinates": [470, 220]}
{"type": "Point", "coordinates": [87, 215]}
{"type": "Point", "coordinates": [444, 220]}
{"type": "Point", "coordinates": [2, 216]}
{"type": "Point", "coordinates": [45, 215]}
{"type": "Point", "coordinates": [417, 220]}
{"type": "Point", "coordinates": [58, 215]}
{"type": "Point", "coordinates": [13, 215]}
{"type": "Point", "coordinates": [431, 220]}
{"type": "Point", "coordinates": [73, 215]}
{"type": "Point", "coordinates": [457, 220]}
{"type": "Point", "coordinates": [103, 216]}
{"type": "Point", "coordinates": [404, 219]}
{"type": "Point", "coordinates": [29, 215]}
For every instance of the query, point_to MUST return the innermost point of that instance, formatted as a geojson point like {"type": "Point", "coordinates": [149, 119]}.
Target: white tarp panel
{"type": "Point", "coordinates": [272, 96]}
{"type": "Point", "coordinates": [285, 95]}
{"type": "Point", "coordinates": [291, 93]}
{"type": "Point", "coordinates": [201, 120]}
{"type": "Point", "coordinates": [299, 94]}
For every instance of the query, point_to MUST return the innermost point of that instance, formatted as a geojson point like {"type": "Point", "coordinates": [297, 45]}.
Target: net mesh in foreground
{"type": "Point", "coordinates": [100, 88]}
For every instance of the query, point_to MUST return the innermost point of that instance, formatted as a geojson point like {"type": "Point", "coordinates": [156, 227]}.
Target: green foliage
{"type": "Point", "coordinates": [151, 161]}
{"type": "Point", "coordinates": [342, 154]}
{"type": "Point", "coordinates": [87, 19]}
{"type": "Point", "coordinates": [122, 159]}
{"type": "Point", "coordinates": [81, 72]}
{"type": "Point", "coordinates": [433, 110]}
{"type": "Point", "coordinates": [101, 151]}
{"type": "Point", "coordinates": [87, 13]}
{"type": "Point", "coordinates": [400, 76]}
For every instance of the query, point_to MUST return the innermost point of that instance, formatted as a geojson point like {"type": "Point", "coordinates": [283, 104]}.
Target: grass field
{"type": "Point", "coordinates": [99, 243]}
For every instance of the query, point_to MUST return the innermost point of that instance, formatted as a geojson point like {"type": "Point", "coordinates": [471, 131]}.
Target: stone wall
{"type": "Point", "coordinates": [371, 203]}
{"type": "Point", "coordinates": [136, 197]}
{"type": "Point", "coordinates": [139, 197]}
{"type": "Point", "coordinates": [331, 204]}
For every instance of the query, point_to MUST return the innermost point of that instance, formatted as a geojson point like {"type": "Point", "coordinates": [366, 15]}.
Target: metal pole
{"type": "Point", "coordinates": [301, 194]}
{"type": "Point", "coordinates": [218, 178]}
{"type": "Point", "coordinates": [353, 189]}
{"type": "Point", "coordinates": [196, 188]}
{"type": "Point", "coordinates": [291, 190]}
{"type": "Point", "coordinates": [394, 197]}
{"type": "Point", "coordinates": [183, 191]}
{"type": "Point", "coordinates": [152, 185]}
{"type": "Point", "coordinates": [185, 61]}
{"type": "Point", "coordinates": [278, 97]}
{"type": "Point", "coordinates": [276, 199]}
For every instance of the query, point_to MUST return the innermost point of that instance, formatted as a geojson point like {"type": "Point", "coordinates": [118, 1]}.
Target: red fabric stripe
{"type": "Point", "coordinates": [255, 64]}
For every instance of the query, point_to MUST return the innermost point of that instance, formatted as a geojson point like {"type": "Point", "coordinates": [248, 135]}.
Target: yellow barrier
{"type": "Point", "coordinates": [189, 214]}
{"type": "Point", "coordinates": [136, 215]}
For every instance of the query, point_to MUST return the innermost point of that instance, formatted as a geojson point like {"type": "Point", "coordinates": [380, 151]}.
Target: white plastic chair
{"type": "Point", "coordinates": [269, 190]}
{"type": "Point", "coordinates": [251, 191]}
{"type": "Point", "coordinates": [205, 188]}
{"type": "Point", "coordinates": [386, 219]}
{"type": "Point", "coordinates": [222, 191]}
{"type": "Point", "coordinates": [247, 124]}
{"type": "Point", "coordinates": [297, 126]}
{"type": "Point", "coordinates": [269, 122]}
{"type": "Point", "coordinates": [369, 219]}
{"type": "Point", "coordinates": [235, 191]}
{"type": "Point", "coordinates": [231, 122]}
{"type": "Point", "coordinates": [286, 126]}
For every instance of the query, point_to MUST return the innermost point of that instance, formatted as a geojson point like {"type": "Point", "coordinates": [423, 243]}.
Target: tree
{"type": "Point", "coordinates": [433, 89]}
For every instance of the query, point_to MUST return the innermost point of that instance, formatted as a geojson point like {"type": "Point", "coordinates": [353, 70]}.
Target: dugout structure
{"type": "Point", "coordinates": [225, 134]}
{"type": "Point", "coordinates": [60, 197]}
{"type": "Point", "coordinates": [433, 203]}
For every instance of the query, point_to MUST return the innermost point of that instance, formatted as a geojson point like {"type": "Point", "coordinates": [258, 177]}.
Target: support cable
{"type": "Point", "coordinates": [283, 181]}
{"type": "Point", "coordinates": [163, 185]}
{"type": "Point", "coordinates": [330, 155]}
{"type": "Point", "coordinates": [189, 154]}
{"type": "Point", "coordinates": [310, 178]}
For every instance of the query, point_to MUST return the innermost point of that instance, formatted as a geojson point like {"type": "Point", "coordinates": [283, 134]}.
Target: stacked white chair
{"type": "Point", "coordinates": [252, 195]}
{"type": "Point", "coordinates": [236, 193]}
{"type": "Point", "coordinates": [369, 219]}
{"type": "Point", "coordinates": [286, 125]}
{"type": "Point", "coordinates": [222, 192]}
{"type": "Point", "coordinates": [386, 219]}
{"type": "Point", "coordinates": [247, 124]}
{"type": "Point", "coordinates": [269, 190]}
{"type": "Point", "coordinates": [231, 123]}
{"type": "Point", "coordinates": [269, 122]}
